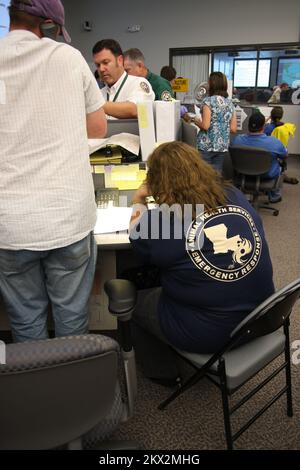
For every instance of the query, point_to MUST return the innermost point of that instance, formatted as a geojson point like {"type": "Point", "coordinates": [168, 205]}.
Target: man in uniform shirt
{"type": "Point", "coordinates": [122, 91]}
{"type": "Point", "coordinates": [47, 203]}
{"type": "Point", "coordinates": [134, 64]}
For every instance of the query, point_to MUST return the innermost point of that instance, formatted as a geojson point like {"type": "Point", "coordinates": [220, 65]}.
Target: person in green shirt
{"type": "Point", "coordinates": [134, 64]}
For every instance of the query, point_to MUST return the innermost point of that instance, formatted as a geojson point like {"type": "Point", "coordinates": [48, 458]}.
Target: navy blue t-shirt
{"type": "Point", "coordinates": [207, 289]}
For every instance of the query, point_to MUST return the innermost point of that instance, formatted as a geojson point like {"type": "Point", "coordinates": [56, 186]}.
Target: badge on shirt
{"type": "Point", "coordinates": [166, 96]}
{"type": "Point", "coordinates": [145, 87]}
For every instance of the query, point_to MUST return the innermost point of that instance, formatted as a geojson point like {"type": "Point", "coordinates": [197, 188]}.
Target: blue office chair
{"type": "Point", "coordinates": [66, 391]}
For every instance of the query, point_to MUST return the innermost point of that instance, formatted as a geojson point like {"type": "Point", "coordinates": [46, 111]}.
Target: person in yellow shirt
{"type": "Point", "coordinates": [282, 131]}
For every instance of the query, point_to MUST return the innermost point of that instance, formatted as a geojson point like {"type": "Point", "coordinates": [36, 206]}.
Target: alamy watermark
{"type": "Point", "coordinates": [296, 96]}
{"type": "Point", "coordinates": [296, 353]}
{"type": "Point", "coordinates": [168, 222]}
{"type": "Point", "coordinates": [2, 352]}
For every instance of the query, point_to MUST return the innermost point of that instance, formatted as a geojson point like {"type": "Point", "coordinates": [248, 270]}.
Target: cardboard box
{"type": "Point", "coordinates": [146, 128]}
{"type": "Point", "coordinates": [167, 119]}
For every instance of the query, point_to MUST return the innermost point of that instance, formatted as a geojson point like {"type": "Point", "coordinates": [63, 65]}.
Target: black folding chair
{"type": "Point", "coordinates": [233, 366]}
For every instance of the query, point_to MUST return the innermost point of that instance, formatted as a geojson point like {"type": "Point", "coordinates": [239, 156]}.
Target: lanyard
{"type": "Point", "coordinates": [118, 92]}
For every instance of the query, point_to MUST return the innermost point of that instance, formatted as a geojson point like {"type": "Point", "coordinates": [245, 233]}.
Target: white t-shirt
{"type": "Point", "coordinates": [46, 188]}
{"type": "Point", "coordinates": [275, 98]}
{"type": "Point", "coordinates": [134, 89]}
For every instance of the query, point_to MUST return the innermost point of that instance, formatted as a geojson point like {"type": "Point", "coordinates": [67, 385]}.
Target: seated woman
{"type": "Point", "coordinates": [275, 127]}
{"type": "Point", "coordinates": [212, 253]}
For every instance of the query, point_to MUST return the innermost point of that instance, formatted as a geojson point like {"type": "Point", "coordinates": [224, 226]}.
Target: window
{"type": "Point", "coordinates": [289, 71]}
{"type": "Point", "coordinates": [246, 74]}
{"type": "Point", "coordinates": [254, 69]}
{"type": "Point", "coordinates": [4, 19]}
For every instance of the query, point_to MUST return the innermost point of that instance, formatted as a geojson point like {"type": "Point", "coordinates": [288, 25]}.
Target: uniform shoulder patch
{"type": "Point", "coordinates": [166, 96]}
{"type": "Point", "coordinates": [145, 87]}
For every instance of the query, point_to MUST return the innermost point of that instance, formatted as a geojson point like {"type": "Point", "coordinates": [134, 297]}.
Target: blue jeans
{"type": "Point", "coordinates": [30, 280]}
{"type": "Point", "coordinates": [215, 159]}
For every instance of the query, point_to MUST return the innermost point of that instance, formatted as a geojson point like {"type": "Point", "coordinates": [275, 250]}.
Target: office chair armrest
{"type": "Point", "coordinates": [121, 303]}
{"type": "Point", "coordinates": [121, 298]}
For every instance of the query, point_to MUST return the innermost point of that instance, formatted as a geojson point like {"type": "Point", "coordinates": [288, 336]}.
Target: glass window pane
{"type": "Point", "coordinates": [263, 77]}
{"type": "Point", "coordinates": [4, 19]}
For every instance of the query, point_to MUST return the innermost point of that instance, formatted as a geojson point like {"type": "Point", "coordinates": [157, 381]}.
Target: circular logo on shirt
{"type": "Point", "coordinates": [166, 96]}
{"type": "Point", "coordinates": [224, 244]}
{"type": "Point", "coordinates": [145, 87]}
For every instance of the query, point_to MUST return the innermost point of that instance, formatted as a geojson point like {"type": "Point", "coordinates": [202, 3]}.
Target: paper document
{"type": "Point", "coordinates": [146, 128]}
{"type": "Point", "coordinates": [112, 219]}
{"type": "Point", "coordinates": [240, 117]}
{"type": "Point", "coordinates": [124, 176]}
{"type": "Point", "coordinates": [128, 141]}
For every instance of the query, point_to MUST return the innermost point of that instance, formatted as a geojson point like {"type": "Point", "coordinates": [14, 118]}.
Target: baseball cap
{"type": "Point", "coordinates": [256, 122]}
{"type": "Point", "coordinates": [48, 9]}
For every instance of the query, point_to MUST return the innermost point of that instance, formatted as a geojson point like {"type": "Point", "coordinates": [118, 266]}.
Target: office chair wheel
{"type": "Point", "coordinates": [275, 213]}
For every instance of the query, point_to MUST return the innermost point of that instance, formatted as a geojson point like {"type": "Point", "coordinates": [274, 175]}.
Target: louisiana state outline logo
{"type": "Point", "coordinates": [224, 244]}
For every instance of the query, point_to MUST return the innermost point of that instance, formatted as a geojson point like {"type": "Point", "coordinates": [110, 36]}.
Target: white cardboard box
{"type": "Point", "coordinates": [146, 128]}
{"type": "Point", "coordinates": [167, 119]}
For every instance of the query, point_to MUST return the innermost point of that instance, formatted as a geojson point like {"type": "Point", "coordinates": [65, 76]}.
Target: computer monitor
{"type": "Point", "coordinates": [117, 126]}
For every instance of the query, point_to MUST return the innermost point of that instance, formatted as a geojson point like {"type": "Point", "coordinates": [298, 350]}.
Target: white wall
{"type": "Point", "coordinates": [181, 23]}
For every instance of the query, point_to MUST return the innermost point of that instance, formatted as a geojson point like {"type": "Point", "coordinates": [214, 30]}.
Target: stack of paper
{"type": "Point", "coordinates": [114, 156]}
{"type": "Point", "coordinates": [112, 219]}
{"type": "Point", "coordinates": [124, 176]}
{"type": "Point", "coordinates": [128, 141]}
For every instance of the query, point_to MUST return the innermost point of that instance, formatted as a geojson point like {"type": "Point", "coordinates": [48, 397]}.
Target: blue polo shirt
{"type": "Point", "coordinates": [269, 128]}
{"type": "Point", "coordinates": [212, 277]}
{"type": "Point", "coordinates": [265, 142]}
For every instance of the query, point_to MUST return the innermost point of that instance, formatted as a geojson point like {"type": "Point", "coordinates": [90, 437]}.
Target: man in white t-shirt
{"type": "Point", "coordinates": [275, 98]}
{"type": "Point", "coordinates": [122, 91]}
{"type": "Point", "coordinates": [50, 104]}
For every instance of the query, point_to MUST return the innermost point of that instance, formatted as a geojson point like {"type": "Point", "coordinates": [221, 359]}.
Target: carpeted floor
{"type": "Point", "coordinates": [195, 420]}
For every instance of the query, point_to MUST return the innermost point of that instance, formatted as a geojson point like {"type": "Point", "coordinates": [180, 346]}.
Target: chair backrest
{"type": "Point", "coordinates": [227, 170]}
{"type": "Point", "coordinates": [270, 314]}
{"type": "Point", "coordinates": [54, 391]}
{"type": "Point", "coordinates": [250, 161]}
{"type": "Point", "coordinates": [264, 319]}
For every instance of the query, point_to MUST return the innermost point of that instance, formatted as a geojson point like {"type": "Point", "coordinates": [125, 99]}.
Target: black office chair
{"type": "Point", "coordinates": [229, 369]}
{"type": "Point", "coordinates": [249, 164]}
{"type": "Point", "coordinates": [227, 169]}
{"type": "Point", "coordinates": [66, 391]}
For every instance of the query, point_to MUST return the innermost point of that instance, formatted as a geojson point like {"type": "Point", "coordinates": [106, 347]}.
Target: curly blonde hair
{"type": "Point", "coordinates": [177, 174]}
